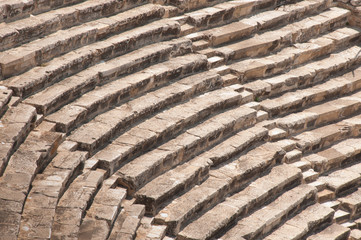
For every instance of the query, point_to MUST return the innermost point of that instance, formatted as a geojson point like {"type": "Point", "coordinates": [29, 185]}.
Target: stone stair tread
{"type": "Point", "coordinates": [102, 213]}
{"type": "Point", "coordinates": [265, 219]}
{"type": "Point", "coordinates": [18, 9]}
{"type": "Point", "coordinates": [309, 220]}
{"type": "Point", "coordinates": [5, 97]}
{"type": "Point", "coordinates": [341, 181]}
{"type": "Point", "coordinates": [352, 203]}
{"type": "Point", "coordinates": [35, 152]}
{"type": "Point", "coordinates": [46, 189]}
{"type": "Point", "coordinates": [127, 222]}
{"type": "Point", "coordinates": [15, 125]}
{"type": "Point", "coordinates": [333, 232]}
{"type": "Point", "coordinates": [162, 188]}
{"type": "Point", "coordinates": [239, 204]}
{"type": "Point", "coordinates": [73, 203]}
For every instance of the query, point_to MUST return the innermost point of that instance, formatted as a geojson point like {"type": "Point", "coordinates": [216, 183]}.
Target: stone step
{"type": "Point", "coordinates": [298, 54]}
{"type": "Point", "coordinates": [336, 156]}
{"type": "Point", "coordinates": [333, 232]}
{"type": "Point", "coordinates": [341, 216]}
{"type": "Point", "coordinates": [329, 134]}
{"type": "Point", "coordinates": [293, 101]}
{"type": "Point", "coordinates": [320, 114]}
{"type": "Point", "coordinates": [73, 204]}
{"type": "Point", "coordinates": [185, 176]}
{"type": "Point", "coordinates": [355, 234]}
{"type": "Point", "coordinates": [262, 222]}
{"type": "Point", "coordinates": [148, 231]}
{"type": "Point", "coordinates": [108, 96]}
{"type": "Point", "coordinates": [164, 187]}
{"type": "Point", "coordinates": [5, 96]}
{"type": "Point", "coordinates": [220, 13]}
{"type": "Point", "coordinates": [183, 147]}
{"type": "Point", "coordinates": [342, 181]}
{"type": "Point", "coordinates": [236, 144]}
{"type": "Point", "coordinates": [127, 222]}
{"type": "Point", "coordinates": [261, 21]}
{"type": "Point", "coordinates": [18, 9]}
{"type": "Point", "coordinates": [222, 181]}
{"type": "Point", "coordinates": [42, 50]}
{"type": "Point", "coordinates": [159, 127]}
{"type": "Point", "coordinates": [186, 6]}
{"type": "Point", "coordinates": [120, 89]}
{"type": "Point", "coordinates": [254, 196]}
{"type": "Point", "coordinates": [352, 203]}
{"type": "Point", "coordinates": [102, 214]}
{"type": "Point", "coordinates": [309, 220]}
{"type": "Point", "coordinates": [81, 58]}
{"type": "Point", "coordinates": [15, 125]}
{"type": "Point", "coordinates": [47, 187]}
{"type": "Point", "coordinates": [15, 33]}
{"type": "Point", "coordinates": [31, 157]}
{"type": "Point", "coordinates": [272, 41]}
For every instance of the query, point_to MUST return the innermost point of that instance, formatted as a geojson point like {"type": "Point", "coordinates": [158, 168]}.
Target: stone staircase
{"type": "Point", "coordinates": [188, 120]}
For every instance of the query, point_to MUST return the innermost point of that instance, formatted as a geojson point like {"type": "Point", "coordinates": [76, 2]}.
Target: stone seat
{"type": "Point", "coordinates": [161, 126]}
{"type": "Point", "coordinates": [333, 232]}
{"type": "Point", "coordinates": [264, 220]}
{"type": "Point", "coordinates": [102, 213]}
{"type": "Point", "coordinates": [293, 101]}
{"type": "Point", "coordinates": [15, 125]}
{"type": "Point", "coordinates": [183, 147]}
{"type": "Point", "coordinates": [77, 60]}
{"type": "Point", "coordinates": [13, 10]}
{"type": "Point", "coordinates": [117, 91]}
{"type": "Point", "coordinates": [352, 203]}
{"type": "Point", "coordinates": [185, 176]}
{"type": "Point", "coordinates": [320, 114]}
{"type": "Point", "coordinates": [147, 230]}
{"type": "Point", "coordinates": [264, 20]}
{"type": "Point", "coordinates": [327, 135]}
{"type": "Point", "coordinates": [47, 187]}
{"type": "Point", "coordinates": [253, 196]}
{"type": "Point", "coordinates": [342, 181]}
{"type": "Point", "coordinates": [221, 182]}
{"type": "Point", "coordinates": [337, 155]}
{"type": "Point", "coordinates": [73, 204]}
{"type": "Point", "coordinates": [15, 33]}
{"type": "Point", "coordinates": [292, 57]}
{"type": "Point", "coordinates": [274, 40]}
{"type": "Point", "coordinates": [42, 50]}
{"type": "Point", "coordinates": [127, 222]}
{"type": "Point", "coordinates": [221, 13]}
{"type": "Point", "coordinates": [309, 220]}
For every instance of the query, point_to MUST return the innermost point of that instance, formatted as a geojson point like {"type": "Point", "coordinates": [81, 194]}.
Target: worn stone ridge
{"type": "Point", "coordinates": [180, 119]}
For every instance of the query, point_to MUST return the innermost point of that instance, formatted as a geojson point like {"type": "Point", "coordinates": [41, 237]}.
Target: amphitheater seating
{"type": "Point", "coordinates": [187, 120]}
